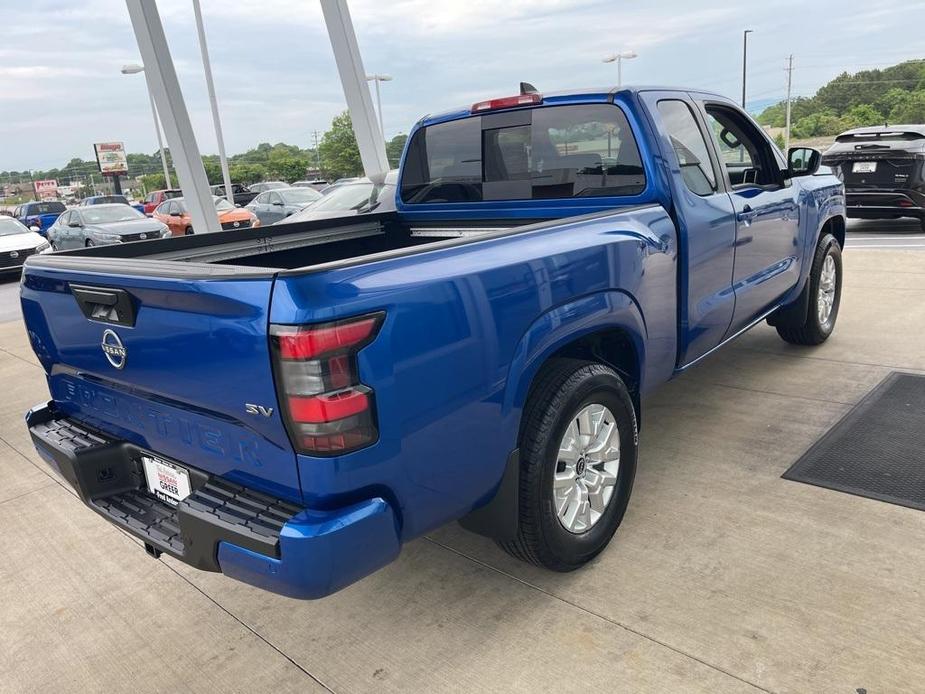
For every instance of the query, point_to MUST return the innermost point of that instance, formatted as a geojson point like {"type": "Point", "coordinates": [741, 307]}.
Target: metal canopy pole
{"type": "Point", "coordinates": [370, 140]}
{"type": "Point", "coordinates": [213, 102]}
{"type": "Point", "coordinates": [165, 89]}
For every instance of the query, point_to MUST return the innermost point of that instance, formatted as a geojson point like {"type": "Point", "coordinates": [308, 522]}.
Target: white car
{"type": "Point", "coordinates": [17, 243]}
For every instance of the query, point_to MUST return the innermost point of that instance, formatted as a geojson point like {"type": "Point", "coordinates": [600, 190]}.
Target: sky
{"type": "Point", "coordinates": [61, 89]}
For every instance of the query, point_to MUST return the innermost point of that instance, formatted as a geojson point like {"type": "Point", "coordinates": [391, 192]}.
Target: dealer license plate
{"type": "Point", "coordinates": [166, 481]}
{"type": "Point", "coordinates": [864, 167]}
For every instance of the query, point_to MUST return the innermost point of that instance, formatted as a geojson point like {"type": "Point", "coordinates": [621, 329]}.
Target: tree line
{"type": "Point", "coordinates": [337, 156]}
{"type": "Point", "coordinates": [891, 95]}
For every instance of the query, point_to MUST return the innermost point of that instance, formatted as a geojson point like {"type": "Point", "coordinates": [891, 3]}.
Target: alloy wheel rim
{"type": "Point", "coordinates": [586, 468]}
{"type": "Point", "coordinates": [825, 300]}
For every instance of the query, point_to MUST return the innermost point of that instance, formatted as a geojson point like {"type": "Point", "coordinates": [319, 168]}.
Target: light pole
{"type": "Point", "coordinates": [377, 79]}
{"type": "Point", "coordinates": [134, 70]}
{"type": "Point", "coordinates": [744, 61]}
{"type": "Point", "coordinates": [207, 68]}
{"type": "Point", "coordinates": [618, 58]}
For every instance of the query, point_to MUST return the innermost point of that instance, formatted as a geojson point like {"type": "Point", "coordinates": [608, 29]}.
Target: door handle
{"type": "Point", "coordinates": [746, 215]}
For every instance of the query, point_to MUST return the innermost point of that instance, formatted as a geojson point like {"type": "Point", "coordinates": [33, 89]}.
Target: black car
{"type": "Point", "coordinates": [883, 169]}
{"type": "Point", "coordinates": [242, 194]}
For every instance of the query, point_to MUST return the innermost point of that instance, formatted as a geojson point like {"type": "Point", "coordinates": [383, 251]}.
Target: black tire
{"type": "Point", "coordinates": [809, 330]}
{"type": "Point", "coordinates": [922, 223]}
{"type": "Point", "coordinates": [189, 231]}
{"type": "Point", "coordinates": [561, 390]}
{"type": "Point", "coordinates": [88, 243]}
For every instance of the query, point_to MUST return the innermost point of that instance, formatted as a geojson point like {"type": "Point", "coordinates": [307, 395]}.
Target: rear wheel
{"type": "Point", "coordinates": [88, 243]}
{"type": "Point", "coordinates": [189, 231]}
{"type": "Point", "coordinates": [578, 460]}
{"type": "Point", "coordinates": [824, 287]}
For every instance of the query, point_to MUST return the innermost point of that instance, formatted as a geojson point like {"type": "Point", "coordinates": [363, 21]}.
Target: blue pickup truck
{"type": "Point", "coordinates": [290, 407]}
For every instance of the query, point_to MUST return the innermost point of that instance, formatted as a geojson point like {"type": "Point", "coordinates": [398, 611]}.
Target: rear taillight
{"type": "Point", "coordinates": [328, 411]}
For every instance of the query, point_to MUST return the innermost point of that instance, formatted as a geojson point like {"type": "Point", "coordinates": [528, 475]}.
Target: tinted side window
{"type": "Point", "coordinates": [550, 152]}
{"type": "Point", "coordinates": [689, 145]}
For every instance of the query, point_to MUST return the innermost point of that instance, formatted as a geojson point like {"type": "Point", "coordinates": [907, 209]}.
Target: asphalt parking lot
{"type": "Point", "coordinates": [723, 577]}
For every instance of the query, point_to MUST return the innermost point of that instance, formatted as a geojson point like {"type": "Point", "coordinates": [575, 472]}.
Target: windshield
{"type": "Point", "coordinates": [298, 196]}
{"type": "Point", "coordinates": [222, 205]}
{"type": "Point", "coordinates": [106, 215]}
{"type": "Point", "coordinates": [106, 199]}
{"type": "Point", "coordinates": [47, 208]}
{"type": "Point", "coordinates": [353, 196]}
{"type": "Point", "coordinates": [9, 227]}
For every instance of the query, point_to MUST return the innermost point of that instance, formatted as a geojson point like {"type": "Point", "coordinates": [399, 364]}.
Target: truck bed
{"type": "Point", "coordinates": [276, 248]}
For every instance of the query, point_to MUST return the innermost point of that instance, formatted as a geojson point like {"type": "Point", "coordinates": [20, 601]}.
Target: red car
{"type": "Point", "coordinates": [156, 197]}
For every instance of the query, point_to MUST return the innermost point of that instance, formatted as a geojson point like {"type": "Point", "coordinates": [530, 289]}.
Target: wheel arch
{"type": "Point", "coordinates": [606, 326]}
{"type": "Point", "coordinates": [836, 226]}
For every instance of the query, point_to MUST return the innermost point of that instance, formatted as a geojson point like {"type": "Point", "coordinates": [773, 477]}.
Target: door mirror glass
{"type": "Point", "coordinates": [802, 161]}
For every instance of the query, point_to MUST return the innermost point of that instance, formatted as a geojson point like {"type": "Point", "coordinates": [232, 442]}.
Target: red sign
{"type": "Point", "coordinates": [46, 189]}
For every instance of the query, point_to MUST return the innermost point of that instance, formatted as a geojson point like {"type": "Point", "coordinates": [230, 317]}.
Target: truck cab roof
{"type": "Point", "coordinates": [582, 95]}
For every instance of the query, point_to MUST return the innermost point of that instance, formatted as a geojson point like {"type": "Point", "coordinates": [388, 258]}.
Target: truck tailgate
{"type": "Point", "coordinates": [166, 360]}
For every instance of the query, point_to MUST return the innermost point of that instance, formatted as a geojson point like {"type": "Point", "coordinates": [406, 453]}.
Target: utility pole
{"type": "Point", "coordinates": [789, 81]}
{"type": "Point", "coordinates": [744, 62]}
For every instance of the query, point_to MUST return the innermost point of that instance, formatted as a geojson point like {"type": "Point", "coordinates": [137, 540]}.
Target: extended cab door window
{"type": "Point", "coordinates": [577, 150]}
{"type": "Point", "coordinates": [688, 143]}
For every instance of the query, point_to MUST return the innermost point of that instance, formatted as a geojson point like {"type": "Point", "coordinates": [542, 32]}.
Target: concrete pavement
{"type": "Point", "coordinates": [723, 577]}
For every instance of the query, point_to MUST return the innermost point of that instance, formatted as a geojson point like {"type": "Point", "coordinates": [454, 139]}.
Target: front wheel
{"type": "Point", "coordinates": [578, 460]}
{"type": "Point", "coordinates": [824, 287]}
{"type": "Point", "coordinates": [189, 231]}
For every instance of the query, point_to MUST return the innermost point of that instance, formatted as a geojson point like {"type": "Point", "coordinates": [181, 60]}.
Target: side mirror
{"type": "Point", "coordinates": [75, 225]}
{"type": "Point", "coordinates": [802, 161]}
{"type": "Point", "coordinates": [278, 203]}
{"type": "Point", "coordinates": [34, 228]}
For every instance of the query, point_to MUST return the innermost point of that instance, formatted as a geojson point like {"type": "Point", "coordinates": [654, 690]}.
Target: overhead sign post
{"type": "Point", "coordinates": [165, 89]}
{"type": "Point", "coordinates": [370, 139]}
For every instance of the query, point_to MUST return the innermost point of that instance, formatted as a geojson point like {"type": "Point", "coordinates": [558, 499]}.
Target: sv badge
{"type": "Point", "coordinates": [258, 409]}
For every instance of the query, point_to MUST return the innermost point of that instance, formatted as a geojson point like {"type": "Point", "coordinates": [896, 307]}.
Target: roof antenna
{"type": "Point", "coordinates": [527, 88]}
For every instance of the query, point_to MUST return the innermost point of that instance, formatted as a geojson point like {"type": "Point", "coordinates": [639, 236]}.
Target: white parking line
{"type": "Point", "coordinates": [851, 246]}
{"type": "Point", "coordinates": [910, 237]}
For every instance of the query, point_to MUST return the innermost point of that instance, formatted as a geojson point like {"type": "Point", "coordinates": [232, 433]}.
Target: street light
{"type": "Point", "coordinates": [744, 61]}
{"type": "Point", "coordinates": [134, 70]}
{"type": "Point", "coordinates": [377, 79]}
{"type": "Point", "coordinates": [618, 58]}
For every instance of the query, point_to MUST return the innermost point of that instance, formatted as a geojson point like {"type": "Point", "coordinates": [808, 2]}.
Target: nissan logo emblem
{"type": "Point", "coordinates": [113, 349]}
{"type": "Point", "coordinates": [14, 254]}
{"type": "Point", "coordinates": [237, 224]}
{"type": "Point", "coordinates": [142, 236]}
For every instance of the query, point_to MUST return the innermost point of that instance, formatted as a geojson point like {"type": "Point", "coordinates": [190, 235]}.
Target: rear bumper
{"type": "Point", "coordinates": [221, 526]}
{"type": "Point", "coordinates": [884, 204]}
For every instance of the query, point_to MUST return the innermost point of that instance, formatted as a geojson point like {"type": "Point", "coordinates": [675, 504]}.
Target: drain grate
{"type": "Point", "coordinates": [877, 450]}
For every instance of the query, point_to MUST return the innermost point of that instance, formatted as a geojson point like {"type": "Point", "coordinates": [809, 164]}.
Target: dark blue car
{"type": "Point", "coordinates": [40, 215]}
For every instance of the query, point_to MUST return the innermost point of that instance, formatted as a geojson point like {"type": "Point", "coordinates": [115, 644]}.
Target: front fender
{"type": "Point", "coordinates": [559, 326]}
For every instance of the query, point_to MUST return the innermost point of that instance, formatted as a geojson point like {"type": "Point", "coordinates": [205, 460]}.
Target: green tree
{"type": "Point", "coordinates": [151, 182]}
{"type": "Point", "coordinates": [340, 155]}
{"type": "Point", "coordinates": [246, 173]}
{"type": "Point", "coordinates": [911, 109]}
{"type": "Point", "coordinates": [861, 116]}
{"type": "Point", "coordinates": [213, 170]}
{"type": "Point", "coordinates": [779, 141]}
{"type": "Point", "coordinates": [394, 148]}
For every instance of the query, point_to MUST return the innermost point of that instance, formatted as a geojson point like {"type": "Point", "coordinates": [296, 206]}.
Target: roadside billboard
{"type": "Point", "coordinates": [46, 189]}
{"type": "Point", "coordinates": [110, 156]}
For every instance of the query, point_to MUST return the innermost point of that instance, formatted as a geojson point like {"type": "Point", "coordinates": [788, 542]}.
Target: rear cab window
{"type": "Point", "coordinates": [549, 152]}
